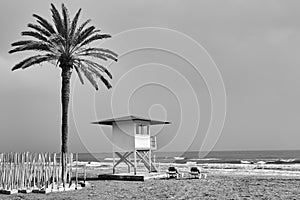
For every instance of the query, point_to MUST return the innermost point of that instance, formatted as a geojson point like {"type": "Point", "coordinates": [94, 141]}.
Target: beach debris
{"type": "Point", "coordinates": [37, 172]}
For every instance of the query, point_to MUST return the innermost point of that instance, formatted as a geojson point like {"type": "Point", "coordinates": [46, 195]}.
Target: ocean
{"type": "Point", "coordinates": [231, 157]}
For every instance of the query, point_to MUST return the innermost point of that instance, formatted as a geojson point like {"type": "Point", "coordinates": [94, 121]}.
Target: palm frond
{"type": "Point", "coordinates": [35, 35]}
{"type": "Point", "coordinates": [106, 82]}
{"type": "Point", "coordinates": [98, 74]}
{"type": "Point", "coordinates": [84, 34]}
{"type": "Point", "coordinates": [44, 23]}
{"type": "Point", "coordinates": [94, 38]}
{"type": "Point", "coordinates": [94, 55]}
{"type": "Point", "coordinates": [33, 45]}
{"type": "Point", "coordinates": [97, 66]}
{"type": "Point", "coordinates": [74, 23]}
{"type": "Point", "coordinates": [98, 50]}
{"type": "Point", "coordinates": [33, 60]}
{"type": "Point", "coordinates": [57, 19]}
{"type": "Point", "coordinates": [39, 29]}
{"type": "Point", "coordinates": [57, 39]}
{"type": "Point", "coordinates": [78, 31]}
{"type": "Point", "coordinates": [78, 72]}
{"type": "Point", "coordinates": [22, 42]}
{"type": "Point", "coordinates": [89, 76]}
{"type": "Point", "coordinates": [66, 19]}
{"type": "Point", "coordinates": [103, 56]}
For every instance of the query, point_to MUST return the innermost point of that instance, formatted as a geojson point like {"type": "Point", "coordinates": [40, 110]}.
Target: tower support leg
{"type": "Point", "coordinates": [123, 158]}
{"type": "Point", "coordinates": [134, 155]}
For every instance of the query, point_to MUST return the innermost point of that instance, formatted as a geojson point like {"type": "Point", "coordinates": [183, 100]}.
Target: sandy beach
{"type": "Point", "coordinates": [223, 182]}
{"type": "Point", "coordinates": [215, 187]}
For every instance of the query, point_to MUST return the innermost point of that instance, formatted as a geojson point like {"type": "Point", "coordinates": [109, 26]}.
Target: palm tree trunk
{"type": "Point", "coordinates": [65, 96]}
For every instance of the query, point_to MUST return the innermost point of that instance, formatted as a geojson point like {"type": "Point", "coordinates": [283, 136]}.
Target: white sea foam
{"type": "Point", "coordinates": [246, 162]}
{"type": "Point", "coordinates": [179, 158]}
{"type": "Point", "coordinates": [204, 159]}
{"type": "Point", "coordinates": [111, 159]}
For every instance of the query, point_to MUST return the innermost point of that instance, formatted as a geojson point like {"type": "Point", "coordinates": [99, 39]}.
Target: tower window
{"type": "Point", "coordinates": [142, 129]}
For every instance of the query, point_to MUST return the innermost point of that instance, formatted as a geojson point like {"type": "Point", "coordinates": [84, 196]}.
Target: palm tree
{"type": "Point", "coordinates": [66, 45]}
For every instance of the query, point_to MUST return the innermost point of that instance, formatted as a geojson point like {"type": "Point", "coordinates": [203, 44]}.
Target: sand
{"type": "Point", "coordinates": [216, 186]}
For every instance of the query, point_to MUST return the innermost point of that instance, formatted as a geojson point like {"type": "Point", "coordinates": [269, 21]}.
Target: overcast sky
{"type": "Point", "coordinates": [255, 44]}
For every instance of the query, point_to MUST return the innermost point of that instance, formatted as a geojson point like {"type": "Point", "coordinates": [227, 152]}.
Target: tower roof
{"type": "Point", "coordinates": [130, 118]}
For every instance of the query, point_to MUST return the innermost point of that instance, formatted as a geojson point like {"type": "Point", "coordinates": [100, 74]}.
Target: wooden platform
{"type": "Point", "coordinates": [131, 177]}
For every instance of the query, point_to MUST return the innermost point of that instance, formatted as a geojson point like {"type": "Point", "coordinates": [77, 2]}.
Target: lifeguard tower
{"type": "Point", "coordinates": [131, 136]}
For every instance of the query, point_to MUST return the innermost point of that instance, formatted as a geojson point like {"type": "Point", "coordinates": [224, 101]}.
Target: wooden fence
{"type": "Point", "coordinates": [37, 172]}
